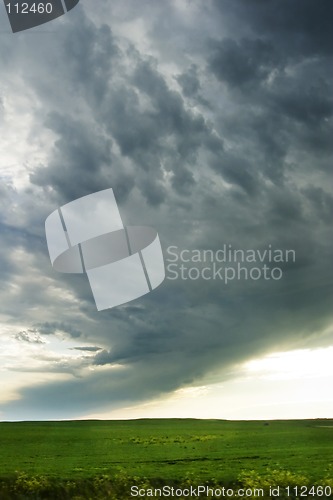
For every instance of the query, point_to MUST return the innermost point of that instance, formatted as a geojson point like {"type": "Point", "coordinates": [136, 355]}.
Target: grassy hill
{"type": "Point", "coordinates": [174, 450]}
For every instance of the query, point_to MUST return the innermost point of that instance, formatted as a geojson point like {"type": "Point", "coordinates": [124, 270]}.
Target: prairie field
{"type": "Point", "coordinates": [101, 459]}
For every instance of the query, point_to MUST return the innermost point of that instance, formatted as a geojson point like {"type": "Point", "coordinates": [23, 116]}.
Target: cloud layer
{"type": "Point", "coordinates": [212, 122]}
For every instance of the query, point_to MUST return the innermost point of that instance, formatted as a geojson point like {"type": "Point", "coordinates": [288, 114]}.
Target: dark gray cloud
{"type": "Point", "coordinates": [31, 336]}
{"type": "Point", "coordinates": [87, 348]}
{"type": "Point", "coordinates": [243, 63]}
{"type": "Point", "coordinates": [297, 27]}
{"type": "Point", "coordinates": [212, 140]}
{"type": "Point", "coordinates": [189, 82]}
{"type": "Point", "coordinates": [49, 328]}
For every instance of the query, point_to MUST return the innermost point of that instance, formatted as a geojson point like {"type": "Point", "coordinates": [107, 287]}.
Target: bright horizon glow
{"type": "Point", "coordinates": [283, 385]}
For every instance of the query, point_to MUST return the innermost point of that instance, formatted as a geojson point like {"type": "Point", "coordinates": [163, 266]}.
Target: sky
{"type": "Point", "coordinates": [212, 122]}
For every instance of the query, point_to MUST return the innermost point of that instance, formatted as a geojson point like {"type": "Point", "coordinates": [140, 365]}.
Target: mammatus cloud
{"type": "Point", "coordinates": [213, 127]}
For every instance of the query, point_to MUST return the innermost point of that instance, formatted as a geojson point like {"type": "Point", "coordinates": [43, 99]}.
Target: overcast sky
{"type": "Point", "coordinates": [212, 122]}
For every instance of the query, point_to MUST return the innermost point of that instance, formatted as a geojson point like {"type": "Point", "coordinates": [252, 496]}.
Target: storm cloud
{"type": "Point", "coordinates": [212, 122]}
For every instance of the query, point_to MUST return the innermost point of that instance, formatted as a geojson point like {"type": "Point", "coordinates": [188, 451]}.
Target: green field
{"type": "Point", "coordinates": [161, 450]}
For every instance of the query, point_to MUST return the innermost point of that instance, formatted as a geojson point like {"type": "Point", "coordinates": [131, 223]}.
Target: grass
{"type": "Point", "coordinates": [165, 450]}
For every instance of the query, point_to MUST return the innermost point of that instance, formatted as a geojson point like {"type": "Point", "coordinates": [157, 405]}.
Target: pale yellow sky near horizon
{"type": "Point", "coordinates": [294, 384]}
{"type": "Point", "coordinates": [283, 385]}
